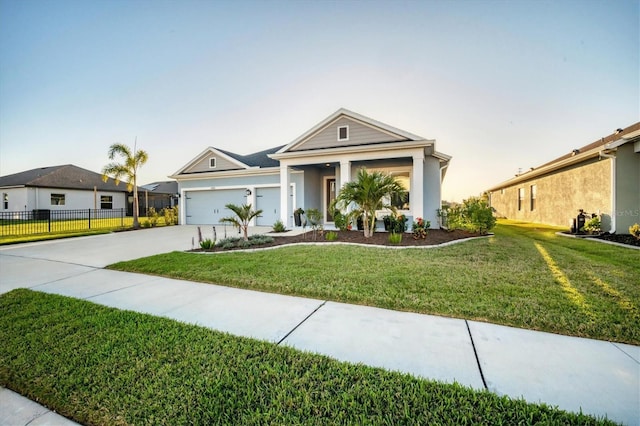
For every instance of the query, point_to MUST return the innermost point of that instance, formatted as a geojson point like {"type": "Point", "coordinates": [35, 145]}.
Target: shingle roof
{"type": "Point", "coordinates": [66, 176]}
{"type": "Point", "coordinates": [257, 159]}
{"type": "Point", "coordinates": [164, 187]}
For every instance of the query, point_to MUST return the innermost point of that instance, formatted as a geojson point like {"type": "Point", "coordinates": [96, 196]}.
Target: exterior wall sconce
{"type": "Point", "coordinates": [247, 192]}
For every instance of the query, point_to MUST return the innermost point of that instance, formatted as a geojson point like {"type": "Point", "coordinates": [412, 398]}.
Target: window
{"type": "Point", "coordinates": [520, 198]}
{"type": "Point", "coordinates": [533, 197]}
{"type": "Point", "coordinates": [5, 201]}
{"type": "Point", "coordinates": [106, 202]}
{"type": "Point", "coordinates": [57, 199]}
{"type": "Point", "coordinates": [343, 133]}
{"type": "Point", "coordinates": [212, 162]}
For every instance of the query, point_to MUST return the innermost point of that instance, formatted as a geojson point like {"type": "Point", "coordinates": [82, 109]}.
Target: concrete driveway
{"type": "Point", "coordinates": [599, 378]}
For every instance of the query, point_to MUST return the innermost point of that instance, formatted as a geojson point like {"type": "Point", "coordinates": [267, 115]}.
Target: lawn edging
{"type": "Point", "coordinates": [598, 240]}
{"type": "Point", "coordinates": [344, 243]}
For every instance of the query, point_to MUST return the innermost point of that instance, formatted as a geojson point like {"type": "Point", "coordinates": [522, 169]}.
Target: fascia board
{"type": "Point", "coordinates": [355, 116]}
{"type": "Point", "coordinates": [353, 149]}
{"type": "Point", "coordinates": [230, 173]}
{"type": "Point", "coordinates": [210, 150]}
{"type": "Point", "coordinates": [548, 169]}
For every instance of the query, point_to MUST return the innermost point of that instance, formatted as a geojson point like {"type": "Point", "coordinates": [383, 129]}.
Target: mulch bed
{"type": "Point", "coordinates": [622, 239]}
{"type": "Point", "coordinates": [435, 236]}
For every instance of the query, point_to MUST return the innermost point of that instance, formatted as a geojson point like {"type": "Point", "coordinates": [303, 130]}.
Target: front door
{"type": "Point", "coordinates": [329, 196]}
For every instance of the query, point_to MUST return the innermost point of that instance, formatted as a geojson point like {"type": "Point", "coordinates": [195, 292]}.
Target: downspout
{"type": "Point", "coordinates": [603, 154]}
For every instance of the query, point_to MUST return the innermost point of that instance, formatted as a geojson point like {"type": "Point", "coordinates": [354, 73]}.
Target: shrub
{"type": "Point", "coordinates": [145, 224]}
{"type": "Point", "coordinates": [474, 215]}
{"type": "Point", "coordinates": [592, 225]}
{"type": "Point", "coordinates": [234, 242]}
{"type": "Point", "coordinates": [314, 217]}
{"type": "Point", "coordinates": [331, 236]}
{"type": "Point", "coordinates": [170, 215]}
{"type": "Point", "coordinates": [207, 244]}
{"type": "Point", "coordinates": [420, 228]}
{"type": "Point", "coordinates": [395, 238]}
{"type": "Point", "coordinates": [278, 226]}
{"type": "Point", "coordinates": [153, 216]}
{"type": "Point", "coordinates": [393, 223]}
{"type": "Point", "coordinates": [635, 230]}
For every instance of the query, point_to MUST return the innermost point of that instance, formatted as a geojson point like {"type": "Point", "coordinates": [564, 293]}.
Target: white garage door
{"type": "Point", "coordinates": [208, 207]}
{"type": "Point", "coordinates": [268, 200]}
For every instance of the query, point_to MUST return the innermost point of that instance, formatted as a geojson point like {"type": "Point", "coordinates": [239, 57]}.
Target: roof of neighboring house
{"type": "Point", "coordinates": [164, 187]}
{"type": "Point", "coordinates": [66, 176]}
{"type": "Point", "coordinates": [257, 159]}
{"type": "Point", "coordinates": [575, 156]}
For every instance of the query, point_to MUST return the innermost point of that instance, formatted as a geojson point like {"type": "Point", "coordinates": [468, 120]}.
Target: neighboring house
{"type": "Point", "coordinates": [66, 187]}
{"type": "Point", "coordinates": [601, 178]}
{"type": "Point", "coordinates": [308, 172]}
{"type": "Point", "coordinates": [158, 195]}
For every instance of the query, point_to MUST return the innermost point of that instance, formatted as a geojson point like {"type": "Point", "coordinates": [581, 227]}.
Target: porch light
{"type": "Point", "coordinates": [247, 192]}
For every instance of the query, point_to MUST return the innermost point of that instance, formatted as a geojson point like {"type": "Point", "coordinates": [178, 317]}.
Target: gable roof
{"type": "Point", "coordinates": [575, 156]}
{"type": "Point", "coordinates": [256, 160]}
{"type": "Point", "coordinates": [66, 176]}
{"type": "Point", "coordinates": [393, 132]}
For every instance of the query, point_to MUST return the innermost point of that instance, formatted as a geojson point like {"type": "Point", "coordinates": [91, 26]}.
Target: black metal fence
{"type": "Point", "coordinates": [48, 221]}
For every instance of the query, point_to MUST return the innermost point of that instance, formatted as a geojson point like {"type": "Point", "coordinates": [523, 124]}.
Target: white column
{"type": "Point", "coordinates": [181, 202]}
{"type": "Point", "coordinates": [284, 194]}
{"type": "Point", "coordinates": [345, 172]}
{"type": "Point", "coordinates": [417, 186]}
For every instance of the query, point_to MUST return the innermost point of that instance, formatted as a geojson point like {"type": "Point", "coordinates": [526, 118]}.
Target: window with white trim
{"type": "Point", "coordinates": [212, 162]}
{"type": "Point", "coordinates": [106, 202]}
{"type": "Point", "coordinates": [57, 199]}
{"type": "Point", "coordinates": [343, 133]}
{"type": "Point", "coordinates": [5, 201]}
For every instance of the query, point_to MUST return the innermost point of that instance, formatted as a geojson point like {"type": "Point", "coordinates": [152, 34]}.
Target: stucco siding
{"type": "Point", "coordinates": [21, 199]}
{"type": "Point", "coordinates": [627, 211]}
{"type": "Point", "coordinates": [432, 195]}
{"type": "Point", "coordinates": [559, 195]}
{"type": "Point", "coordinates": [202, 165]}
{"type": "Point", "coordinates": [247, 181]}
{"type": "Point", "coordinates": [358, 134]}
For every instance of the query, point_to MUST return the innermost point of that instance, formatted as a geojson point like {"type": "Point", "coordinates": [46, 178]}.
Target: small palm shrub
{"type": "Point", "coordinates": [278, 226]}
{"type": "Point", "coordinates": [331, 236]}
{"type": "Point", "coordinates": [395, 238]}
{"type": "Point", "coordinates": [207, 244]}
{"type": "Point", "coordinates": [314, 218]}
{"type": "Point", "coordinates": [635, 230]}
{"type": "Point", "coordinates": [170, 215]}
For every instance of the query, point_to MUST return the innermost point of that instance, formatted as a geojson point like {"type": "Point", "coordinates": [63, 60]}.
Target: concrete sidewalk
{"type": "Point", "coordinates": [599, 378]}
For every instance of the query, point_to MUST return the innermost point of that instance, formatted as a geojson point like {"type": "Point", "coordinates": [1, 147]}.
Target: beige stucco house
{"type": "Point", "coordinates": [601, 178]}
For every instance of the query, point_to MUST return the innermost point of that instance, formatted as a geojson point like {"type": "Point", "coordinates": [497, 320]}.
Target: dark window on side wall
{"type": "Point", "coordinates": [57, 199]}
{"type": "Point", "coordinates": [534, 189]}
{"type": "Point", "coordinates": [106, 202]}
{"type": "Point", "coordinates": [520, 198]}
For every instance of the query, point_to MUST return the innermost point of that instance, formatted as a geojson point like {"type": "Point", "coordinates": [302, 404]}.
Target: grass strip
{"type": "Point", "coordinates": [505, 280]}
{"type": "Point", "coordinates": [103, 366]}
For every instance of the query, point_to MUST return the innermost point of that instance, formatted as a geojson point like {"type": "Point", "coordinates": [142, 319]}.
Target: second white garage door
{"type": "Point", "coordinates": [268, 200]}
{"type": "Point", "coordinates": [208, 207]}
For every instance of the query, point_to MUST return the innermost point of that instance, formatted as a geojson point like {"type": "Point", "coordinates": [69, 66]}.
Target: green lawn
{"type": "Point", "coordinates": [525, 276]}
{"type": "Point", "coordinates": [104, 366]}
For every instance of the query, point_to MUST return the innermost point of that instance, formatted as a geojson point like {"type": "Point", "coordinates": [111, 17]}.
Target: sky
{"type": "Point", "coordinates": [500, 85]}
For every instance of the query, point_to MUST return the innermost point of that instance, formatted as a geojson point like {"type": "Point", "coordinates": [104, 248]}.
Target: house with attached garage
{"type": "Point", "coordinates": [309, 171]}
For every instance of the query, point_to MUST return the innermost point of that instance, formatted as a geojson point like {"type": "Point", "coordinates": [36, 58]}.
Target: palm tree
{"type": "Point", "coordinates": [128, 169]}
{"type": "Point", "coordinates": [244, 214]}
{"type": "Point", "coordinates": [368, 193]}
